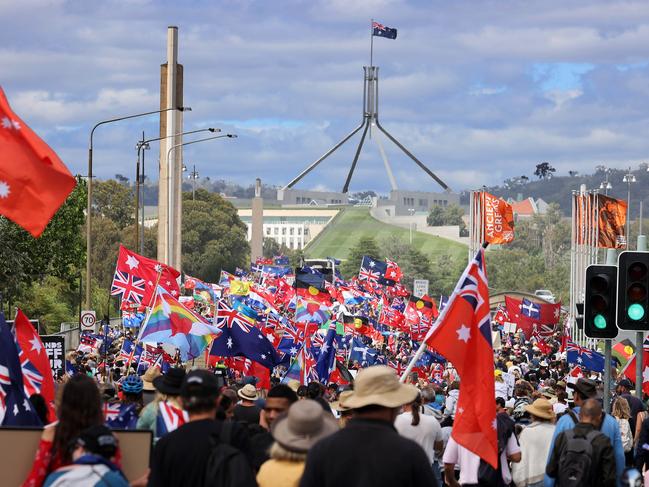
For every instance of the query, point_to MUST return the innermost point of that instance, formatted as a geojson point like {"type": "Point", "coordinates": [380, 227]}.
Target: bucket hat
{"type": "Point", "coordinates": [170, 382]}
{"type": "Point", "coordinates": [304, 424]}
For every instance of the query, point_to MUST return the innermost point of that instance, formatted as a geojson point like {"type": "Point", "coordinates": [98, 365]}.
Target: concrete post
{"type": "Point", "coordinates": [257, 225]}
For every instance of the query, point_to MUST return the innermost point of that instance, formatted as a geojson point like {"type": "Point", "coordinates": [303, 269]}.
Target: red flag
{"type": "Point", "coordinates": [34, 182]}
{"type": "Point", "coordinates": [151, 271]}
{"type": "Point", "coordinates": [33, 350]}
{"type": "Point", "coordinates": [549, 315]}
{"type": "Point", "coordinates": [629, 370]}
{"type": "Point", "coordinates": [463, 336]}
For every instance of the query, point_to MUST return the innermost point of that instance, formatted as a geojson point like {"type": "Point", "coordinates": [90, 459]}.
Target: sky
{"type": "Point", "coordinates": [478, 90]}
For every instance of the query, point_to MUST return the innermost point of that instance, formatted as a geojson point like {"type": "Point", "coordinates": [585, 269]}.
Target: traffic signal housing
{"type": "Point", "coordinates": [632, 291]}
{"type": "Point", "coordinates": [599, 301]}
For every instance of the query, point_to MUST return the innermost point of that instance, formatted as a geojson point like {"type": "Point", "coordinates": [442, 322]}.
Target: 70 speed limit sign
{"type": "Point", "coordinates": [88, 320]}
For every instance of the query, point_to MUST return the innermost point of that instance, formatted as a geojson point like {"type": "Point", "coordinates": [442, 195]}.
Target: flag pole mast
{"type": "Point", "coordinates": [371, 42]}
{"type": "Point", "coordinates": [423, 346]}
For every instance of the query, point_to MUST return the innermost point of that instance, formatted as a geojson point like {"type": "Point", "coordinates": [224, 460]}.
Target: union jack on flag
{"type": "Point", "coordinates": [32, 378]}
{"type": "Point", "coordinates": [5, 380]}
{"type": "Point", "coordinates": [111, 411]}
{"type": "Point", "coordinates": [229, 317]}
{"type": "Point", "coordinates": [128, 286]}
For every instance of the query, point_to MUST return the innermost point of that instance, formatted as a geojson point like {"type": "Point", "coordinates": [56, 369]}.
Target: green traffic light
{"type": "Point", "coordinates": [600, 322]}
{"type": "Point", "coordinates": [635, 311]}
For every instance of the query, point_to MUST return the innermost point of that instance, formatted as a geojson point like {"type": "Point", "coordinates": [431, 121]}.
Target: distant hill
{"type": "Point", "coordinates": [558, 189]}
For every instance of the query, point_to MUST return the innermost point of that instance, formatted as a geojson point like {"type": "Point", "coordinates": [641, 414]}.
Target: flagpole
{"type": "Point", "coordinates": [371, 42]}
{"type": "Point", "coordinates": [423, 346]}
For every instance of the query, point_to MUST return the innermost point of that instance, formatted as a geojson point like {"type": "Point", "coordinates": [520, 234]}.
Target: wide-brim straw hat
{"type": "Point", "coordinates": [149, 376]}
{"type": "Point", "coordinates": [305, 424]}
{"type": "Point", "coordinates": [247, 392]}
{"type": "Point", "coordinates": [541, 408]}
{"type": "Point", "coordinates": [380, 386]}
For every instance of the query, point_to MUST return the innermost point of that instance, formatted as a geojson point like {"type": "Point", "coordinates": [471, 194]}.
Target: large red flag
{"type": "Point", "coordinates": [533, 316]}
{"type": "Point", "coordinates": [34, 182]}
{"type": "Point", "coordinates": [151, 271]}
{"type": "Point", "coordinates": [33, 354]}
{"type": "Point", "coordinates": [463, 335]}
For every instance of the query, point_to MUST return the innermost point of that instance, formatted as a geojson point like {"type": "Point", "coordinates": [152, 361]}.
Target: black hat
{"type": "Point", "coordinates": [586, 387]}
{"type": "Point", "coordinates": [199, 383]}
{"type": "Point", "coordinates": [170, 382]}
{"type": "Point", "coordinates": [626, 383]}
{"type": "Point", "coordinates": [99, 440]}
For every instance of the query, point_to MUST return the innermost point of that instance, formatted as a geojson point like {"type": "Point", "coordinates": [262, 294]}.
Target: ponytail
{"type": "Point", "coordinates": [415, 406]}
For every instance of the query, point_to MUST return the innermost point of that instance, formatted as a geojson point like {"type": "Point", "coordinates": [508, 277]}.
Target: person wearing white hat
{"type": "Point", "coordinates": [369, 452]}
{"type": "Point", "coordinates": [294, 433]}
{"type": "Point", "coordinates": [246, 410]}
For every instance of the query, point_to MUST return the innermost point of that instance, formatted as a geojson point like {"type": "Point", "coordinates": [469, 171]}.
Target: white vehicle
{"type": "Point", "coordinates": [545, 294]}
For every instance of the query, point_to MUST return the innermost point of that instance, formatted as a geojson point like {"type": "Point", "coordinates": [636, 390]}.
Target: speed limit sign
{"type": "Point", "coordinates": [88, 320]}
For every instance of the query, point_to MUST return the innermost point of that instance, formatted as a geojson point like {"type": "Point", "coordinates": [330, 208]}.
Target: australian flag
{"type": "Point", "coordinates": [120, 416]}
{"type": "Point", "coordinates": [15, 408]}
{"type": "Point", "coordinates": [372, 270]}
{"type": "Point", "coordinates": [586, 358]}
{"type": "Point", "coordinates": [383, 31]}
{"type": "Point", "coordinates": [241, 337]}
{"type": "Point", "coordinates": [326, 362]}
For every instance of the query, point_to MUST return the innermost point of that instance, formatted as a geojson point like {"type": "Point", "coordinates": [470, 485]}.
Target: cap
{"type": "Point", "coordinates": [99, 440]}
{"type": "Point", "coordinates": [199, 382]}
{"type": "Point", "coordinates": [626, 383]}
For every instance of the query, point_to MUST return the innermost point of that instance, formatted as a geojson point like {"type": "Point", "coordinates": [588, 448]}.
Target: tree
{"type": "Point", "coordinates": [436, 217]}
{"type": "Point", "coordinates": [214, 237]}
{"type": "Point", "coordinates": [59, 251]}
{"type": "Point", "coordinates": [446, 215]}
{"type": "Point", "coordinates": [573, 173]}
{"type": "Point", "coordinates": [544, 170]}
{"type": "Point", "coordinates": [115, 201]}
{"type": "Point", "coordinates": [272, 247]}
{"type": "Point", "coordinates": [365, 246]}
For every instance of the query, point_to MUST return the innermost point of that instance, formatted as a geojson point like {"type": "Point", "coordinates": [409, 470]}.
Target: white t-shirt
{"type": "Point", "coordinates": [469, 462]}
{"type": "Point", "coordinates": [559, 407]}
{"type": "Point", "coordinates": [426, 433]}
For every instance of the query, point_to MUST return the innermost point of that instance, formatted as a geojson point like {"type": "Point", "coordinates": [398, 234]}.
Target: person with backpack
{"type": "Point", "coordinates": [583, 390]}
{"type": "Point", "coordinates": [203, 451]}
{"type": "Point", "coordinates": [583, 455]}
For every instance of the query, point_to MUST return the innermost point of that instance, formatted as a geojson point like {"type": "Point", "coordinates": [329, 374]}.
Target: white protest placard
{"type": "Point", "coordinates": [420, 287]}
{"type": "Point", "coordinates": [510, 380]}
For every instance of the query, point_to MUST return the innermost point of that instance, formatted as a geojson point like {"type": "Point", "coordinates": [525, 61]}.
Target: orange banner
{"type": "Point", "coordinates": [497, 218]}
{"type": "Point", "coordinates": [611, 221]}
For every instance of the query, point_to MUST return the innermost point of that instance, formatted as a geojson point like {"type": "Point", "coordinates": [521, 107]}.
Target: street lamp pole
{"type": "Point", "coordinates": [141, 147]}
{"type": "Point", "coordinates": [412, 212]}
{"type": "Point", "coordinates": [628, 178]}
{"type": "Point", "coordinates": [193, 176]}
{"type": "Point", "coordinates": [89, 209]}
{"type": "Point", "coordinates": [170, 199]}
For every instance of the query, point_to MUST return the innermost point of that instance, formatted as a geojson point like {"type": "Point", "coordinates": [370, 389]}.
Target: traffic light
{"type": "Point", "coordinates": [632, 295]}
{"type": "Point", "coordinates": [599, 301]}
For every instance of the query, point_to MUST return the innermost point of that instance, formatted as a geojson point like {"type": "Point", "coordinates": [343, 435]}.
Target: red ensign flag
{"type": "Point", "coordinates": [34, 182]}
{"type": "Point", "coordinates": [463, 335]}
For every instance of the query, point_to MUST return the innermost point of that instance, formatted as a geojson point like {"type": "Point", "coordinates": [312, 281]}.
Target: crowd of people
{"type": "Point", "coordinates": [214, 427]}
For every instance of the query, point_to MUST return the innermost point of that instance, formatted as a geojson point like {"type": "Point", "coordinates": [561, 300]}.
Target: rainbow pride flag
{"type": "Point", "coordinates": [170, 322]}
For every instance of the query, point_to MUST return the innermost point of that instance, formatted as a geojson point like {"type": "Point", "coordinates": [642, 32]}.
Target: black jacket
{"type": "Point", "coordinates": [367, 453]}
{"type": "Point", "coordinates": [603, 457]}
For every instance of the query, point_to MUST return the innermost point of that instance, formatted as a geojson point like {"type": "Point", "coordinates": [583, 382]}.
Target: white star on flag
{"type": "Point", "coordinates": [645, 374]}
{"type": "Point", "coordinates": [7, 123]}
{"type": "Point", "coordinates": [463, 333]}
{"type": "Point", "coordinates": [460, 410]}
{"type": "Point", "coordinates": [36, 344]}
{"type": "Point", "coordinates": [372, 263]}
{"type": "Point", "coordinates": [556, 312]}
{"type": "Point", "coordinates": [324, 348]}
{"type": "Point", "coordinates": [26, 405]}
{"type": "Point", "coordinates": [229, 342]}
{"type": "Point", "coordinates": [261, 337]}
{"type": "Point", "coordinates": [158, 268]}
{"type": "Point", "coordinates": [132, 262]}
{"type": "Point", "coordinates": [16, 410]}
{"type": "Point", "coordinates": [263, 356]}
{"type": "Point", "coordinates": [579, 360]}
{"type": "Point", "coordinates": [271, 337]}
{"type": "Point", "coordinates": [293, 351]}
{"type": "Point", "coordinates": [494, 424]}
{"type": "Point", "coordinates": [4, 189]}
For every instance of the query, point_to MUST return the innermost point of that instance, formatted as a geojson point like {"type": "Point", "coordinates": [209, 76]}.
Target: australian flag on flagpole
{"type": "Point", "coordinates": [383, 31]}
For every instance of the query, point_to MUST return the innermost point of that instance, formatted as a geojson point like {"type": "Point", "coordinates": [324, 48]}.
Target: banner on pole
{"type": "Point", "coordinates": [55, 348]}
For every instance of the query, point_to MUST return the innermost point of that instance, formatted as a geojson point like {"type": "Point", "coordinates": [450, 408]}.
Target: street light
{"type": "Point", "coordinates": [141, 146]}
{"type": "Point", "coordinates": [170, 215]}
{"type": "Point", "coordinates": [629, 178]}
{"type": "Point", "coordinates": [412, 212]}
{"type": "Point", "coordinates": [89, 215]}
{"type": "Point", "coordinates": [193, 176]}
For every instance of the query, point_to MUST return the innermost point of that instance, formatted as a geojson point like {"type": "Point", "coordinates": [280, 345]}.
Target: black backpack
{"type": "Point", "coordinates": [487, 475]}
{"type": "Point", "coordinates": [226, 465]}
{"type": "Point", "coordinates": [576, 459]}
